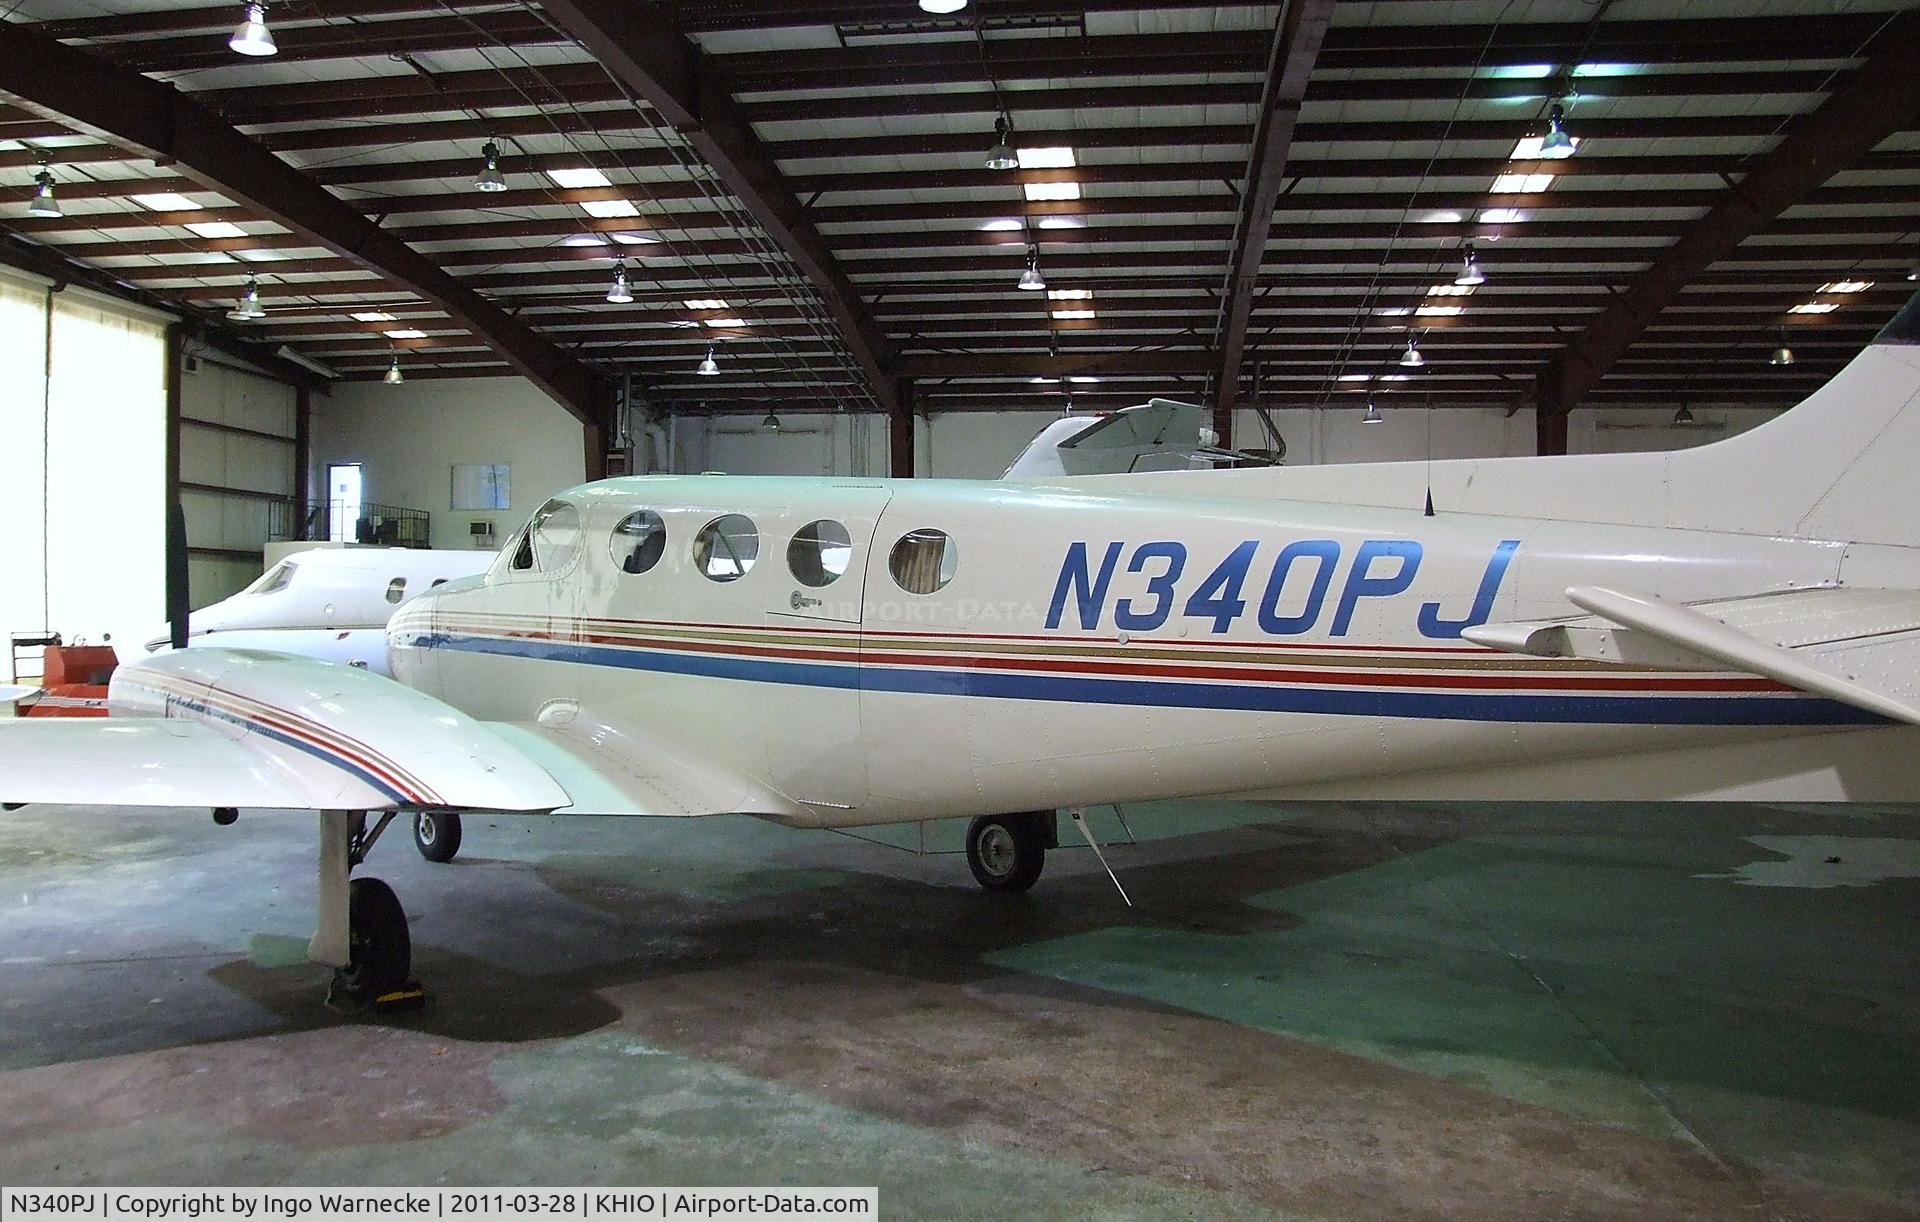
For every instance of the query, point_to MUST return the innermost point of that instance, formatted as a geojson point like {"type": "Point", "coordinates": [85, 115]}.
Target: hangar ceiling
{"type": "Point", "coordinates": [1235, 203]}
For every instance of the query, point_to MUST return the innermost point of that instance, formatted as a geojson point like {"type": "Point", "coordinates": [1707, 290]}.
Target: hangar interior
{"type": "Point", "coordinates": [249, 251]}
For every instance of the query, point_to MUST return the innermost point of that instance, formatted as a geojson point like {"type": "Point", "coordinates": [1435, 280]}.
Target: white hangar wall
{"type": "Point", "coordinates": [980, 445]}
{"type": "Point", "coordinates": [407, 439]}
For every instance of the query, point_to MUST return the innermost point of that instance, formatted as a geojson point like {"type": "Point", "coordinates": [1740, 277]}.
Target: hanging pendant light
{"type": "Point", "coordinates": [1556, 145]}
{"type": "Point", "coordinates": [942, 7]}
{"type": "Point", "coordinates": [1683, 419]}
{"type": "Point", "coordinates": [772, 423]}
{"type": "Point", "coordinates": [1470, 274]}
{"type": "Point", "coordinates": [1411, 358]}
{"type": "Point", "coordinates": [1782, 355]}
{"type": "Point", "coordinates": [1031, 279]}
{"type": "Point", "coordinates": [393, 376]}
{"type": "Point", "coordinates": [490, 178]}
{"type": "Point", "coordinates": [709, 367]}
{"type": "Point", "coordinates": [43, 204]}
{"type": "Point", "coordinates": [1001, 156]}
{"type": "Point", "coordinates": [1373, 415]}
{"type": "Point", "coordinates": [249, 309]}
{"type": "Point", "coordinates": [618, 293]}
{"type": "Point", "coordinates": [251, 36]}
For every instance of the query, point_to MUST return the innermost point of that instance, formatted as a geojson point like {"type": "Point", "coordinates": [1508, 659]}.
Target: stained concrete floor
{"type": "Point", "coordinates": [1324, 1011]}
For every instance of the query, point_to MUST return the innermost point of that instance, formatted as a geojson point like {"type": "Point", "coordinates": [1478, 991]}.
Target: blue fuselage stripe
{"type": "Point", "coordinates": [1243, 697]}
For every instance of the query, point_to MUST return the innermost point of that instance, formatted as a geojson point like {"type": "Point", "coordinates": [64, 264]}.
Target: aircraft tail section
{"type": "Point", "coordinates": [1840, 465]}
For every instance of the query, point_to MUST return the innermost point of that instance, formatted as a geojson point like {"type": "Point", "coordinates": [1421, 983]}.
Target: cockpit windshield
{"type": "Point", "coordinates": [277, 578]}
{"type": "Point", "coordinates": [551, 540]}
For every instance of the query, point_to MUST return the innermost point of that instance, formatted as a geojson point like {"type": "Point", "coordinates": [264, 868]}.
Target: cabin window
{"type": "Point", "coordinates": [438, 581]}
{"type": "Point", "coordinates": [522, 553]}
{"type": "Point", "coordinates": [396, 589]}
{"type": "Point", "coordinates": [819, 553]}
{"type": "Point", "coordinates": [639, 541]}
{"type": "Point", "coordinates": [923, 561]}
{"type": "Point", "coordinates": [279, 577]}
{"type": "Point", "coordinates": [726, 548]}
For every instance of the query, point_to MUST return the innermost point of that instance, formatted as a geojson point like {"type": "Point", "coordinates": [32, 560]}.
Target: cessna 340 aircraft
{"type": "Point", "coordinates": [1736, 621]}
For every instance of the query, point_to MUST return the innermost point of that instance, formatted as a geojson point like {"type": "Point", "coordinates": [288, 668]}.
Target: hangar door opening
{"type": "Point", "coordinates": [84, 492]}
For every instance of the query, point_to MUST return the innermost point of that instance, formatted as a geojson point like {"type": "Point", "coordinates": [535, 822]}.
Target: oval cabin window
{"type": "Point", "coordinates": [819, 553]}
{"type": "Point", "coordinates": [639, 541]}
{"type": "Point", "coordinates": [923, 561]}
{"type": "Point", "coordinates": [396, 589]}
{"type": "Point", "coordinates": [726, 548]}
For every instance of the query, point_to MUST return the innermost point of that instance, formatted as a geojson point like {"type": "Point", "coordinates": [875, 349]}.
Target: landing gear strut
{"type": "Point", "coordinates": [362, 933]}
{"type": "Point", "coordinates": [1007, 852]}
{"type": "Point", "coordinates": [437, 835]}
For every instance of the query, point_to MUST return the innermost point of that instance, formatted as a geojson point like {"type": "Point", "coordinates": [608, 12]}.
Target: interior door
{"type": "Point", "coordinates": [813, 747]}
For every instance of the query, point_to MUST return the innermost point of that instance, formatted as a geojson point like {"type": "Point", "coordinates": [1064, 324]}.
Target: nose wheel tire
{"type": "Point", "coordinates": [437, 835]}
{"type": "Point", "coordinates": [380, 949]}
{"type": "Point", "coordinates": [1006, 852]}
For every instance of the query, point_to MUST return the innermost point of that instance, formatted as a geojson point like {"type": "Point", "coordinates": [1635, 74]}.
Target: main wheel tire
{"type": "Point", "coordinates": [379, 946]}
{"type": "Point", "coordinates": [1006, 852]}
{"type": "Point", "coordinates": [437, 835]}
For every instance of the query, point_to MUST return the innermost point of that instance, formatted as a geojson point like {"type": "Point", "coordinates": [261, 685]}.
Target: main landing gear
{"type": "Point", "coordinates": [437, 835]}
{"type": "Point", "coordinates": [1007, 852]}
{"type": "Point", "coordinates": [362, 930]}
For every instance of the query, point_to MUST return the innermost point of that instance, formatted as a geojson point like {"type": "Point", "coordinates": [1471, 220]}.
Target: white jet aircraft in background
{"type": "Point", "coordinates": [331, 604]}
{"type": "Point", "coordinates": [1736, 621]}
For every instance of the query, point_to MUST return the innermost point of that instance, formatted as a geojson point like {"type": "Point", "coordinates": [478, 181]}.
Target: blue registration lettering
{"type": "Point", "coordinates": [1090, 593]}
{"type": "Point", "coordinates": [1161, 587]}
{"type": "Point", "coordinates": [1327, 552]}
{"type": "Point", "coordinates": [1361, 583]}
{"type": "Point", "coordinates": [1431, 625]}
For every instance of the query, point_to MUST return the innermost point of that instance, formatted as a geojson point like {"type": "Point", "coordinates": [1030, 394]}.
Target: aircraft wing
{"type": "Point", "coordinates": [1859, 647]}
{"type": "Point", "coordinates": [221, 727]}
{"type": "Point", "coordinates": [612, 773]}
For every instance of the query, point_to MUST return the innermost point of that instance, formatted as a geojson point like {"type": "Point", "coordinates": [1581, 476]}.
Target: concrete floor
{"type": "Point", "coordinates": [1332, 1011]}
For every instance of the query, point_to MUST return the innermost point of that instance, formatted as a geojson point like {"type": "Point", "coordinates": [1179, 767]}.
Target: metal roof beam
{"type": "Point", "coordinates": [1296, 45]}
{"type": "Point", "coordinates": [655, 60]}
{"type": "Point", "coordinates": [1883, 98]}
{"type": "Point", "coordinates": [174, 130]}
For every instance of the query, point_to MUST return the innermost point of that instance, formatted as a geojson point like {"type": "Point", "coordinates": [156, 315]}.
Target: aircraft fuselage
{"type": "Point", "coordinates": [1000, 647]}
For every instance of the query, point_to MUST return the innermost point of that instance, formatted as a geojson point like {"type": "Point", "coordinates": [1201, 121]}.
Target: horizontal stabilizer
{"type": "Point", "coordinates": [1859, 647]}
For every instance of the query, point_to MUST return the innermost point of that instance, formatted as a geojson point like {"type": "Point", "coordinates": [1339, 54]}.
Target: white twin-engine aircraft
{"type": "Point", "coordinates": [1737, 621]}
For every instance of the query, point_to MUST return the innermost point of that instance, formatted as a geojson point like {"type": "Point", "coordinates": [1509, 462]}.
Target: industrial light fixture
{"type": "Point", "coordinates": [1031, 279]}
{"type": "Point", "coordinates": [249, 308]}
{"type": "Point", "coordinates": [1411, 358]}
{"type": "Point", "coordinates": [1470, 273]}
{"type": "Point", "coordinates": [490, 178]}
{"type": "Point", "coordinates": [43, 204]}
{"type": "Point", "coordinates": [942, 7]}
{"type": "Point", "coordinates": [1683, 419]}
{"type": "Point", "coordinates": [1001, 156]}
{"type": "Point", "coordinates": [772, 423]}
{"type": "Point", "coordinates": [251, 36]}
{"type": "Point", "coordinates": [1373, 415]}
{"type": "Point", "coordinates": [1913, 273]}
{"type": "Point", "coordinates": [1557, 145]}
{"type": "Point", "coordinates": [394, 377]}
{"type": "Point", "coordinates": [709, 367]}
{"type": "Point", "coordinates": [1782, 355]}
{"type": "Point", "coordinates": [618, 293]}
